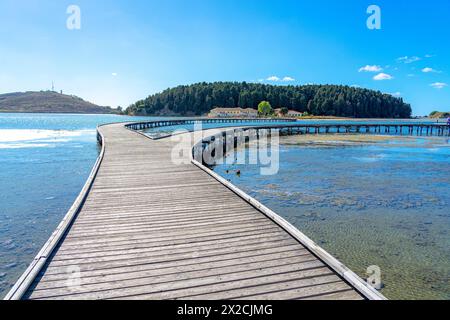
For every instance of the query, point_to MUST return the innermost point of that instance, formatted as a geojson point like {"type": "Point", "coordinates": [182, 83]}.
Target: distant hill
{"type": "Point", "coordinates": [48, 102]}
{"type": "Point", "coordinates": [439, 115]}
{"type": "Point", "coordinates": [318, 100]}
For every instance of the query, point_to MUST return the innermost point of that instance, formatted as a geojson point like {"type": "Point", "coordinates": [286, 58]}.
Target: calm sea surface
{"type": "Point", "coordinates": [382, 204]}
{"type": "Point", "coordinates": [371, 200]}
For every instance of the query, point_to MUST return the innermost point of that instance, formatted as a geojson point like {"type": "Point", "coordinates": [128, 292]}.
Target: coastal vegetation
{"type": "Point", "coordinates": [265, 109]}
{"type": "Point", "coordinates": [49, 102]}
{"type": "Point", "coordinates": [319, 100]}
{"type": "Point", "coordinates": [439, 115]}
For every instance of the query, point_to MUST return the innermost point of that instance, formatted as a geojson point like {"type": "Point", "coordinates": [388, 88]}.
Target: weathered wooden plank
{"type": "Point", "coordinates": [51, 269]}
{"type": "Point", "coordinates": [105, 225]}
{"type": "Point", "coordinates": [240, 293]}
{"type": "Point", "coordinates": [164, 237]}
{"type": "Point", "coordinates": [161, 256]}
{"type": "Point", "coordinates": [183, 266]}
{"type": "Point", "coordinates": [183, 272]}
{"type": "Point", "coordinates": [170, 217]}
{"type": "Point", "coordinates": [227, 240]}
{"type": "Point", "coordinates": [171, 288]}
{"type": "Point", "coordinates": [185, 248]}
{"type": "Point", "coordinates": [149, 278]}
{"type": "Point", "coordinates": [166, 229]}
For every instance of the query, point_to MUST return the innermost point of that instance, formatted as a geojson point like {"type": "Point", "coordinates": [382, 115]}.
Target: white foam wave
{"type": "Point", "coordinates": [23, 135]}
{"type": "Point", "coordinates": [23, 145]}
{"type": "Point", "coordinates": [33, 138]}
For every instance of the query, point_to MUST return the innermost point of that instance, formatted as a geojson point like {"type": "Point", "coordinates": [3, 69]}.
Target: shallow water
{"type": "Point", "coordinates": [44, 162]}
{"type": "Point", "coordinates": [368, 200]}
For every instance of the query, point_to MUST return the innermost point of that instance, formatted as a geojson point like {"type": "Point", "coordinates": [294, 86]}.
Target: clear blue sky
{"type": "Point", "coordinates": [127, 50]}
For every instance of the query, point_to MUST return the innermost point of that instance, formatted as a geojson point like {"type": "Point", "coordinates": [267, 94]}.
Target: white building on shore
{"type": "Point", "coordinates": [290, 113]}
{"type": "Point", "coordinates": [233, 113]}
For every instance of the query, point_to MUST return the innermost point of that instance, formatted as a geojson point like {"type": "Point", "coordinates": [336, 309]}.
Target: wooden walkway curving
{"type": "Point", "coordinates": [150, 229]}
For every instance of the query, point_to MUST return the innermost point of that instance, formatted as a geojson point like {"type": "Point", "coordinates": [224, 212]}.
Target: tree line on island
{"type": "Point", "coordinates": [319, 100]}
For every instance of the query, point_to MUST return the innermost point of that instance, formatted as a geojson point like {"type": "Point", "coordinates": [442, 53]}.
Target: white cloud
{"type": "Point", "coordinates": [369, 68]}
{"type": "Point", "coordinates": [278, 79]}
{"type": "Point", "coordinates": [383, 76]}
{"type": "Point", "coordinates": [407, 59]}
{"type": "Point", "coordinates": [396, 94]}
{"type": "Point", "coordinates": [114, 74]}
{"type": "Point", "coordinates": [428, 70]}
{"type": "Point", "coordinates": [288, 79]}
{"type": "Point", "coordinates": [273, 78]}
{"type": "Point", "coordinates": [438, 85]}
{"type": "Point", "coordinates": [430, 55]}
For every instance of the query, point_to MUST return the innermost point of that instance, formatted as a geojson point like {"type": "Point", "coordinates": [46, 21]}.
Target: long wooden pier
{"type": "Point", "coordinates": [292, 126]}
{"type": "Point", "coordinates": [146, 228]}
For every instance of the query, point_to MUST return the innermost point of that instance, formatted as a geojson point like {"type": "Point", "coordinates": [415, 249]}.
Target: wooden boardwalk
{"type": "Point", "coordinates": [150, 229]}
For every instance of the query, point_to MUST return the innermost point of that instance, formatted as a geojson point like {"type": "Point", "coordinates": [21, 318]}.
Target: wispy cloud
{"type": "Point", "coordinates": [114, 74]}
{"type": "Point", "coordinates": [430, 55]}
{"type": "Point", "coordinates": [369, 68]}
{"type": "Point", "coordinates": [407, 59]}
{"type": "Point", "coordinates": [430, 70]}
{"type": "Point", "coordinates": [439, 85]}
{"type": "Point", "coordinates": [396, 94]}
{"type": "Point", "coordinates": [383, 76]}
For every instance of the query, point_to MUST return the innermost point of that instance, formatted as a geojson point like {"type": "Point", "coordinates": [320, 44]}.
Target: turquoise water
{"type": "Point", "coordinates": [44, 162]}
{"type": "Point", "coordinates": [374, 201]}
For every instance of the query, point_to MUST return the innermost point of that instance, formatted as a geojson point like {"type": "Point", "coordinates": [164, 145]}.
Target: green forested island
{"type": "Point", "coordinates": [319, 100]}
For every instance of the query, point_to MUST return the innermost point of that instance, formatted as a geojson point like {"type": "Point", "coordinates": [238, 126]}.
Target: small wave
{"type": "Point", "coordinates": [23, 145]}
{"type": "Point", "coordinates": [28, 135]}
{"type": "Point", "coordinates": [375, 158]}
